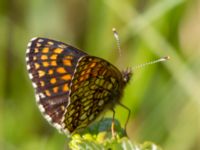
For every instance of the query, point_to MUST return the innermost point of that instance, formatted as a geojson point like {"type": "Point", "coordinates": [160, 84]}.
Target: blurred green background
{"type": "Point", "coordinates": [164, 98]}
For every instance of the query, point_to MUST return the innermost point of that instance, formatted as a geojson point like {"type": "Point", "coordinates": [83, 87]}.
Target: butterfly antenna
{"type": "Point", "coordinates": [151, 62]}
{"type": "Point", "coordinates": [116, 35]}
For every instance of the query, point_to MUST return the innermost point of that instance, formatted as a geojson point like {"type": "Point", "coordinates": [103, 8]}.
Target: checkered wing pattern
{"type": "Point", "coordinates": [51, 65]}
{"type": "Point", "coordinates": [96, 85]}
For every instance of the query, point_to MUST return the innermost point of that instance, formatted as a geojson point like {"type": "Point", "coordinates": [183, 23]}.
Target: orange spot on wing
{"type": "Point", "coordinates": [47, 93]}
{"type": "Point", "coordinates": [67, 62]}
{"type": "Point", "coordinates": [54, 56]}
{"type": "Point", "coordinates": [45, 50]}
{"type": "Point", "coordinates": [93, 64]}
{"type": "Point", "coordinates": [88, 70]}
{"type": "Point", "coordinates": [53, 80]}
{"type": "Point", "coordinates": [65, 88]}
{"type": "Point", "coordinates": [42, 83]}
{"type": "Point", "coordinates": [45, 64]}
{"type": "Point", "coordinates": [81, 78]}
{"type": "Point", "coordinates": [61, 70]}
{"type": "Point", "coordinates": [75, 87]}
{"type": "Point", "coordinates": [38, 45]}
{"type": "Point", "coordinates": [44, 57]}
{"type": "Point", "coordinates": [36, 50]}
{"type": "Point", "coordinates": [50, 71]}
{"type": "Point", "coordinates": [55, 89]}
{"type": "Point", "coordinates": [36, 65]}
{"type": "Point", "coordinates": [66, 77]}
{"type": "Point", "coordinates": [34, 57]}
{"type": "Point", "coordinates": [86, 76]}
{"type": "Point", "coordinates": [69, 57]}
{"type": "Point", "coordinates": [84, 67]}
{"type": "Point", "coordinates": [83, 72]}
{"type": "Point", "coordinates": [41, 73]}
{"type": "Point", "coordinates": [53, 63]}
{"type": "Point", "coordinates": [58, 50]}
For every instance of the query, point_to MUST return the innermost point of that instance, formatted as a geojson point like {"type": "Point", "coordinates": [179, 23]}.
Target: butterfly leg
{"type": "Point", "coordinates": [129, 112]}
{"type": "Point", "coordinates": [113, 124]}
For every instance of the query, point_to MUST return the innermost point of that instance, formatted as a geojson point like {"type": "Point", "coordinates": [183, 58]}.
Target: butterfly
{"type": "Point", "coordinates": [72, 88]}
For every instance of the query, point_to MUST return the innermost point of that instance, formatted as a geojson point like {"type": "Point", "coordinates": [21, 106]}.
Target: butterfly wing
{"type": "Point", "coordinates": [96, 85]}
{"type": "Point", "coordinates": [51, 66]}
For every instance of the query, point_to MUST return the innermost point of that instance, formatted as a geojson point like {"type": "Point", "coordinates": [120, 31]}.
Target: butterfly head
{"type": "Point", "coordinates": [126, 75]}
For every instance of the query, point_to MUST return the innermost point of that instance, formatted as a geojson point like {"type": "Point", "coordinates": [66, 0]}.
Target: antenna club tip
{"type": "Point", "coordinates": [113, 29]}
{"type": "Point", "coordinates": [166, 57]}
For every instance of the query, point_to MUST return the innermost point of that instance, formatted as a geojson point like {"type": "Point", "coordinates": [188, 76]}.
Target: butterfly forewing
{"type": "Point", "coordinates": [51, 65]}
{"type": "Point", "coordinates": [96, 85]}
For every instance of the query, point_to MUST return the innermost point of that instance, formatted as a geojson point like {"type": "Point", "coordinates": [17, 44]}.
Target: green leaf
{"type": "Point", "coordinates": [98, 136]}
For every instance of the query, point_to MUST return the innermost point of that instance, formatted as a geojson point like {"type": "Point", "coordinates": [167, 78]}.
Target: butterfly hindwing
{"type": "Point", "coordinates": [95, 86]}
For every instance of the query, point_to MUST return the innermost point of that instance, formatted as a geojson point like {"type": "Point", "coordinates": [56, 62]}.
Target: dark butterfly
{"type": "Point", "coordinates": [72, 88]}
